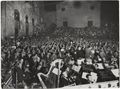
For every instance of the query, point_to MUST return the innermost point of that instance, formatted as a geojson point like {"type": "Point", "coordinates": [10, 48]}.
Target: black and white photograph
{"type": "Point", "coordinates": [65, 44]}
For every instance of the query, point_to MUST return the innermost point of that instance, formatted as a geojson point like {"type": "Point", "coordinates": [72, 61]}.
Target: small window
{"type": "Point", "coordinates": [65, 23]}
{"type": "Point", "coordinates": [63, 9]}
{"type": "Point", "coordinates": [92, 7]}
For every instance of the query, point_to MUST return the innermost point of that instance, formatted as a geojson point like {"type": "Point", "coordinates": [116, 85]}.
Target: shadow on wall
{"type": "Point", "coordinates": [8, 21]}
{"type": "Point", "coordinates": [51, 28]}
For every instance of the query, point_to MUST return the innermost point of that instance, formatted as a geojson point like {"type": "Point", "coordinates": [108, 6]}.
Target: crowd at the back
{"type": "Point", "coordinates": [89, 32]}
{"type": "Point", "coordinates": [31, 56]}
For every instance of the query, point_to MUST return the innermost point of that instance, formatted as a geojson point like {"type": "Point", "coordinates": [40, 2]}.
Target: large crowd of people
{"type": "Point", "coordinates": [29, 56]}
{"type": "Point", "coordinates": [88, 32]}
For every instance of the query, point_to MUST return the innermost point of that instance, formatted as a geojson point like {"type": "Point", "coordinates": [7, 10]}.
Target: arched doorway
{"type": "Point", "coordinates": [17, 22]}
{"type": "Point", "coordinates": [33, 24]}
{"type": "Point", "coordinates": [27, 25]}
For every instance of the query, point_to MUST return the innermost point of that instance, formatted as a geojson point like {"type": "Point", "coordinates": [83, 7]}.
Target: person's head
{"type": "Point", "coordinates": [88, 76]}
{"type": "Point", "coordinates": [23, 54]}
{"type": "Point", "coordinates": [67, 69]}
{"type": "Point", "coordinates": [79, 48]}
{"type": "Point", "coordinates": [68, 54]}
{"type": "Point", "coordinates": [27, 68]}
{"type": "Point", "coordinates": [29, 54]}
{"type": "Point", "coordinates": [92, 77]}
